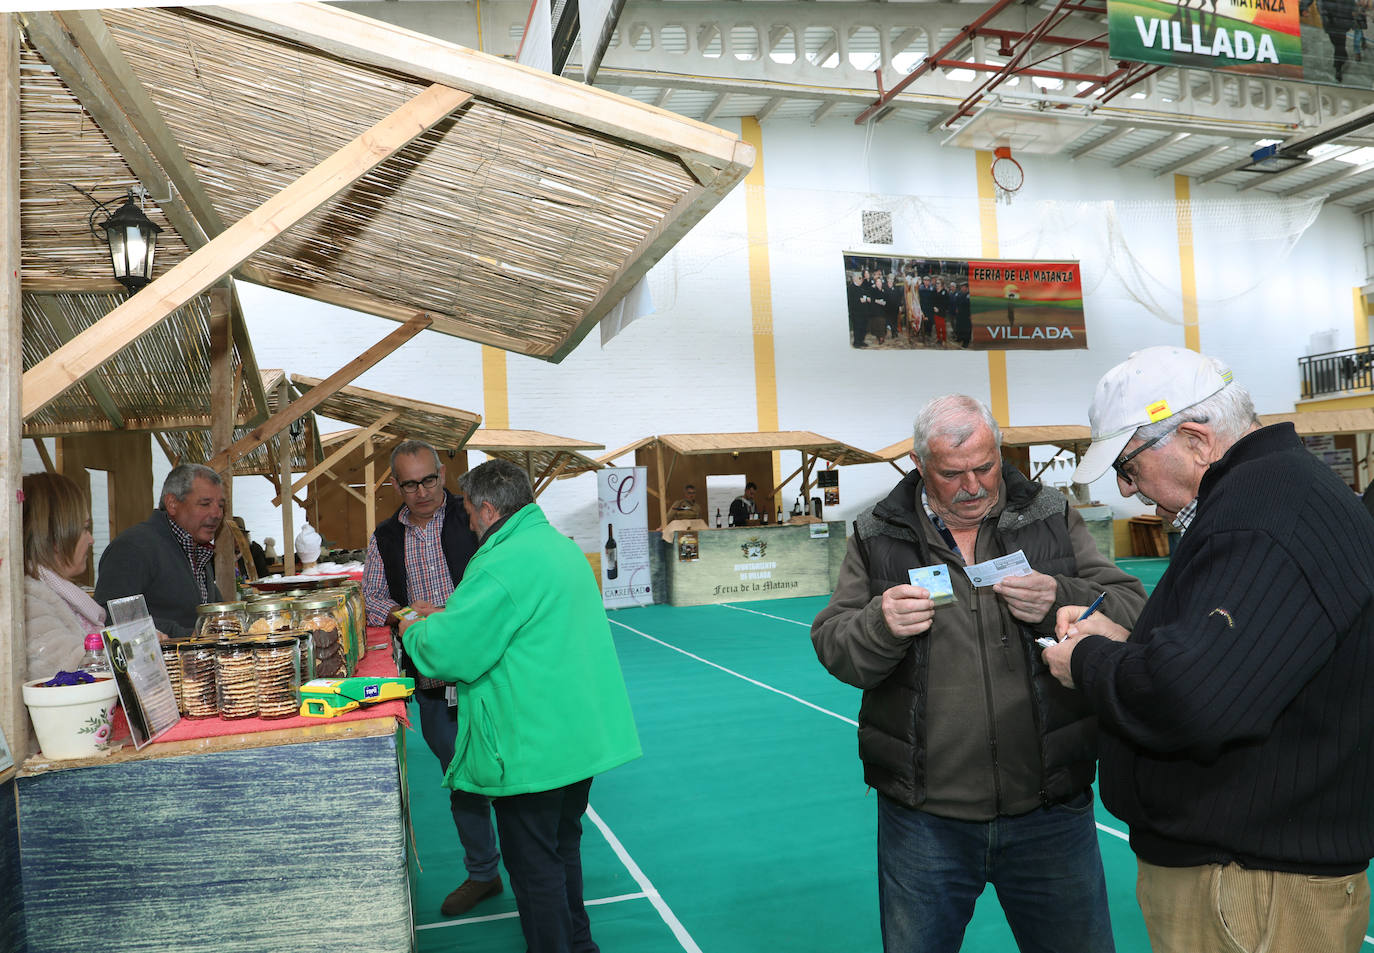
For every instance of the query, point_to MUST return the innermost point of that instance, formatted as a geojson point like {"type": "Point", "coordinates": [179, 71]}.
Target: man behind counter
{"type": "Point", "coordinates": [169, 557]}
{"type": "Point", "coordinates": [742, 508]}
{"type": "Point", "coordinates": [686, 508]}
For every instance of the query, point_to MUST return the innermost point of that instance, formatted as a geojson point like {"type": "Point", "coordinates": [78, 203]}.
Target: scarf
{"type": "Point", "coordinates": [87, 611]}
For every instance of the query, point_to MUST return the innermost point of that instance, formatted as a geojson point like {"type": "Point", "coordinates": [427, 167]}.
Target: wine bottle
{"type": "Point", "coordinates": [779, 515]}
{"type": "Point", "coordinates": [719, 524]}
{"type": "Point", "coordinates": [612, 559]}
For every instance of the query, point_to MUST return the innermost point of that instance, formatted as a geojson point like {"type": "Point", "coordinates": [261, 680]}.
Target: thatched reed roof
{"type": "Point", "coordinates": [517, 221]}
{"type": "Point", "coordinates": [447, 428]}
{"type": "Point", "coordinates": [161, 382]}
{"type": "Point", "coordinates": [1322, 422]}
{"type": "Point", "coordinates": [193, 446]}
{"type": "Point", "coordinates": [1071, 437]}
{"type": "Point", "coordinates": [543, 456]}
{"type": "Point", "coordinates": [838, 453]}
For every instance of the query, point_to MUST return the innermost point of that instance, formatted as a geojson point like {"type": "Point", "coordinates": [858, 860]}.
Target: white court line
{"type": "Point", "coordinates": [751, 681]}
{"type": "Point", "coordinates": [664, 911]}
{"type": "Point", "coordinates": [1102, 827]}
{"type": "Point", "coordinates": [511, 915]}
{"type": "Point", "coordinates": [766, 615]}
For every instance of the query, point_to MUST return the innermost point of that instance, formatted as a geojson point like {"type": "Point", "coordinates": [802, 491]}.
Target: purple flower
{"type": "Point", "coordinates": [69, 678]}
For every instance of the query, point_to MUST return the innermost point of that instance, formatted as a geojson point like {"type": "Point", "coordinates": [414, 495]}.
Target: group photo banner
{"type": "Point", "coordinates": [909, 303]}
{"type": "Point", "coordinates": [1317, 41]}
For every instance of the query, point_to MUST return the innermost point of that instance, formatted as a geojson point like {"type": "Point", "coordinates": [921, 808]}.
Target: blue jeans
{"type": "Point", "coordinates": [471, 812]}
{"type": "Point", "coordinates": [1044, 865]}
{"type": "Point", "coordinates": [542, 837]}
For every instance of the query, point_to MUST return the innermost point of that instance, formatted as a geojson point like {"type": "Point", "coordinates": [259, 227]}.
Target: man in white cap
{"type": "Point", "coordinates": [1237, 715]}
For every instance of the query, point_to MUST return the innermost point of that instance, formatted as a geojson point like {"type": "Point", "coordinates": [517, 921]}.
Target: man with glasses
{"type": "Point", "coordinates": [417, 558]}
{"type": "Point", "coordinates": [1237, 714]}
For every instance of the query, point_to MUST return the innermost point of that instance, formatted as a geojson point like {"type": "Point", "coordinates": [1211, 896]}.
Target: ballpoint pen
{"type": "Point", "coordinates": [1048, 640]}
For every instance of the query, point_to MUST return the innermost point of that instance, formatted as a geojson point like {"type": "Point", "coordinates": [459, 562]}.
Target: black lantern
{"type": "Point", "coordinates": [133, 239]}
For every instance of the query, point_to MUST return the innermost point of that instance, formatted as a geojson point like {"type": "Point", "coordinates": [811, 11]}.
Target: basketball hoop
{"type": "Point", "coordinates": [1007, 174]}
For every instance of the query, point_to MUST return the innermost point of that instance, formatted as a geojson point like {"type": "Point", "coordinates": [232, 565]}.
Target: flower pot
{"type": "Point", "coordinates": [71, 721]}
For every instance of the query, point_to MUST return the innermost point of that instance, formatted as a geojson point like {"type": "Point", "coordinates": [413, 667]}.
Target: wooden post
{"type": "Point", "coordinates": [223, 410]}
{"type": "Point", "coordinates": [662, 484]}
{"type": "Point", "coordinates": [370, 491]}
{"type": "Point", "coordinates": [284, 454]}
{"type": "Point", "coordinates": [14, 718]}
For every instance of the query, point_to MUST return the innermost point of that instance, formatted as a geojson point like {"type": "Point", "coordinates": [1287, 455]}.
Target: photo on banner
{"type": "Point", "coordinates": [908, 303]}
{"type": "Point", "coordinates": [1316, 41]}
{"type": "Point", "coordinates": [622, 504]}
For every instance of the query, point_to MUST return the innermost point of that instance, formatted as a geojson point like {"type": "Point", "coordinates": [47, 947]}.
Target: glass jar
{"type": "Point", "coordinates": [325, 617]}
{"type": "Point", "coordinates": [198, 691]}
{"type": "Point", "coordinates": [217, 620]}
{"type": "Point", "coordinates": [238, 685]}
{"type": "Point", "coordinates": [270, 616]}
{"type": "Point", "coordinates": [171, 659]}
{"type": "Point", "coordinates": [359, 607]}
{"type": "Point", "coordinates": [277, 667]}
{"type": "Point", "coordinates": [352, 635]}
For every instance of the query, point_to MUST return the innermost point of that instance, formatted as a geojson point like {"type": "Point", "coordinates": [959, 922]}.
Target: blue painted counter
{"type": "Point", "coordinates": [239, 844]}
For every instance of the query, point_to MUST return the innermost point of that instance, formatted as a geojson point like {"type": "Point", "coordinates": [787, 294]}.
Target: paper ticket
{"type": "Point", "coordinates": [995, 570]}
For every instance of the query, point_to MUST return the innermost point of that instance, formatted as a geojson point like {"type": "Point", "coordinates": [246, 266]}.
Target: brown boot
{"type": "Point", "coordinates": [468, 895]}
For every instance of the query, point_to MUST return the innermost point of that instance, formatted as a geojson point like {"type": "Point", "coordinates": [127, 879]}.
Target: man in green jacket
{"type": "Point", "coordinates": [542, 706]}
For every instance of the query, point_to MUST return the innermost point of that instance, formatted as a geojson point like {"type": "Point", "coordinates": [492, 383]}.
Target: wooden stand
{"type": "Point", "coordinates": [1148, 537]}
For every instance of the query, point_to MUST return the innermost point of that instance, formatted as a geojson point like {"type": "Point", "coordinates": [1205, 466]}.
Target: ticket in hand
{"type": "Point", "coordinates": [936, 581]}
{"type": "Point", "coordinates": [995, 570]}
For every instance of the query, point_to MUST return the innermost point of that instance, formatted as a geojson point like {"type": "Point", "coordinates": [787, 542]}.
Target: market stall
{"type": "Point", "coordinates": [1344, 439]}
{"type": "Point", "coordinates": [784, 551]}
{"type": "Point", "coordinates": [360, 186]}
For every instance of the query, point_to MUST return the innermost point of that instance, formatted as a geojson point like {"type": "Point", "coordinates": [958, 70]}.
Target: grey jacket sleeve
{"type": "Point", "coordinates": [850, 635]}
{"type": "Point", "coordinates": [1096, 574]}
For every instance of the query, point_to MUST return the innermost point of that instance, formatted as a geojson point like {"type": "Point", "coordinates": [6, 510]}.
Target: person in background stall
{"type": "Point", "coordinates": [686, 508]}
{"type": "Point", "coordinates": [742, 508]}
{"type": "Point", "coordinates": [57, 548]}
{"type": "Point", "coordinates": [169, 557]}
{"type": "Point", "coordinates": [416, 558]}
{"type": "Point", "coordinates": [255, 550]}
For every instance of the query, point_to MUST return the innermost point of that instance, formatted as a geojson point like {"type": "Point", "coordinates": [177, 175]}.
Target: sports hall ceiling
{"type": "Point", "coordinates": [1035, 74]}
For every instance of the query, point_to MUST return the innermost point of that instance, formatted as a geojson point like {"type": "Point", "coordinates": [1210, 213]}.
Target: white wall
{"type": "Point", "coordinates": [689, 367]}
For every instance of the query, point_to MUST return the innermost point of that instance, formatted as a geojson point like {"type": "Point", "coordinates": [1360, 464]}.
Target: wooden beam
{"type": "Point", "coordinates": [342, 452]}
{"type": "Point", "coordinates": [95, 385]}
{"type": "Point", "coordinates": [222, 403]}
{"type": "Point", "coordinates": [343, 485]}
{"type": "Point", "coordinates": [288, 543]}
{"type": "Point", "coordinates": [662, 484]}
{"type": "Point", "coordinates": [14, 656]}
{"type": "Point", "coordinates": [370, 494]}
{"type": "Point", "coordinates": [172, 458]}
{"type": "Point", "coordinates": [43, 454]}
{"type": "Point", "coordinates": [247, 358]}
{"type": "Point", "coordinates": [307, 402]}
{"type": "Point", "coordinates": [60, 370]}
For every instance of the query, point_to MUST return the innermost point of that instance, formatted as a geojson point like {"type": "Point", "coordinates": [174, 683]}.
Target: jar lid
{"type": "Point", "coordinates": [273, 605]}
{"type": "Point", "coordinates": [216, 608]}
{"type": "Point", "coordinates": [325, 602]}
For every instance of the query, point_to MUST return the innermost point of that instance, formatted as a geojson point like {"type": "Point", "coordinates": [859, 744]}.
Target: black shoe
{"type": "Point", "coordinates": [468, 895]}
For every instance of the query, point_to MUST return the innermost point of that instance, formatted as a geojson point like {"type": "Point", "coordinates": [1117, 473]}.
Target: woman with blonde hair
{"type": "Point", "coordinates": [57, 548]}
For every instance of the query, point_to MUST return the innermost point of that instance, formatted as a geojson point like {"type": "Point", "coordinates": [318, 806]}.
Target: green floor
{"type": "Point", "coordinates": [746, 826]}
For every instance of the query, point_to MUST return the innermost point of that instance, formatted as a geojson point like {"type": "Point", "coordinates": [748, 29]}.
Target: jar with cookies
{"type": "Point", "coordinates": [269, 616]}
{"type": "Point", "coordinates": [216, 620]}
{"type": "Point", "coordinates": [326, 619]}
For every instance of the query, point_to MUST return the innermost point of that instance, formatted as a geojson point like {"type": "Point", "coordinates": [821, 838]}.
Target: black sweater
{"type": "Point", "coordinates": [1237, 723]}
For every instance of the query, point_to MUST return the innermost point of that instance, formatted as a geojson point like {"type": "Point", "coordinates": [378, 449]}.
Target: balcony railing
{"type": "Point", "coordinates": [1337, 372]}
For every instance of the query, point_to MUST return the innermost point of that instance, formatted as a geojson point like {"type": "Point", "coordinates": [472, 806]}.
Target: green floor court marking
{"type": "Point", "coordinates": [747, 813]}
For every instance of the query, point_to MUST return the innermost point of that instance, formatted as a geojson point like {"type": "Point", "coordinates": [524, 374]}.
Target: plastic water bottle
{"type": "Point", "coordinates": [94, 660]}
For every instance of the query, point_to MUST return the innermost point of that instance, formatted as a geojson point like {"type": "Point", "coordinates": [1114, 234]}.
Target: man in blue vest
{"type": "Point", "coordinates": [982, 762]}
{"type": "Point", "coordinates": [417, 558]}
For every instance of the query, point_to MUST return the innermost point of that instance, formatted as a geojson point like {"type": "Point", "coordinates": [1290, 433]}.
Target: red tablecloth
{"type": "Point", "coordinates": [377, 662]}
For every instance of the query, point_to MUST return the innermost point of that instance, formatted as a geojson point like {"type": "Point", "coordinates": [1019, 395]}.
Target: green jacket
{"type": "Point", "coordinates": [541, 701]}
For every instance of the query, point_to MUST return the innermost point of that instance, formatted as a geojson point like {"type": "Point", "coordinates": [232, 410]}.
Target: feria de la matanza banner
{"type": "Point", "coordinates": [1318, 41]}
{"type": "Point", "coordinates": [902, 303]}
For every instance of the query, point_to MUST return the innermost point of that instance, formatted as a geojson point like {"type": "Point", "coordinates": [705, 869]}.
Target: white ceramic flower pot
{"type": "Point", "coordinates": [71, 721]}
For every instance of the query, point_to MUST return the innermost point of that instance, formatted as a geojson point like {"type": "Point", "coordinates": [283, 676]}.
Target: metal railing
{"type": "Point", "coordinates": [1337, 372]}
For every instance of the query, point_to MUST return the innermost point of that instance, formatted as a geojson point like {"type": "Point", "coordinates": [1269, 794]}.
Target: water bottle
{"type": "Point", "coordinates": [94, 660]}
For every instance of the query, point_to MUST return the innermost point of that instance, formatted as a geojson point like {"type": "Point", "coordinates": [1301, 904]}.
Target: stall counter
{"type": "Point", "coordinates": [743, 564]}
{"type": "Point", "coordinates": [289, 838]}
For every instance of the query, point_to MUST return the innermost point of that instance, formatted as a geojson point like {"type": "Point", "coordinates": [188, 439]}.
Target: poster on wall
{"type": "Point", "coordinates": [622, 504]}
{"type": "Point", "coordinates": [828, 482]}
{"type": "Point", "coordinates": [906, 303]}
{"type": "Point", "coordinates": [1317, 41]}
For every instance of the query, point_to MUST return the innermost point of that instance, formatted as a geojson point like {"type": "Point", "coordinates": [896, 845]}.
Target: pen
{"type": "Point", "coordinates": [1092, 608]}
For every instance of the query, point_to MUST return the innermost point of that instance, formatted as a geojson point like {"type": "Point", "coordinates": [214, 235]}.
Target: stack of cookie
{"type": "Point", "coordinates": [238, 686]}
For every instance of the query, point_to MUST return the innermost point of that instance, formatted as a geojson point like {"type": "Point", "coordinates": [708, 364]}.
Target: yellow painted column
{"type": "Point", "coordinates": [1000, 403]}
{"type": "Point", "coordinates": [1361, 317]}
{"type": "Point", "coordinates": [495, 392]}
{"type": "Point", "coordinates": [1187, 268]}
{"type": "Point", "coordinates": [761, 289]}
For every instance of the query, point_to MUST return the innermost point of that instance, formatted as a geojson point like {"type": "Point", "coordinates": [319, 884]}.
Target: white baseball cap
{"type": "Point", "coordinates": [1149, 386]}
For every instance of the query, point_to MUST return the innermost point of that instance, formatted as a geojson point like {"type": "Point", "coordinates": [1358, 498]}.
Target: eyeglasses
{"type": "Point", "coordinates": [1119, 464]}
{"type": "Point", "coordinates": [410, 486]}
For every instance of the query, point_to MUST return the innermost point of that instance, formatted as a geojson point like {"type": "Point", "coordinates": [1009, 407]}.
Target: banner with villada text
{"type": "Point", "coordinates": [908, 303]}
{"type": "Point", "coordinates": [1262, 37]}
